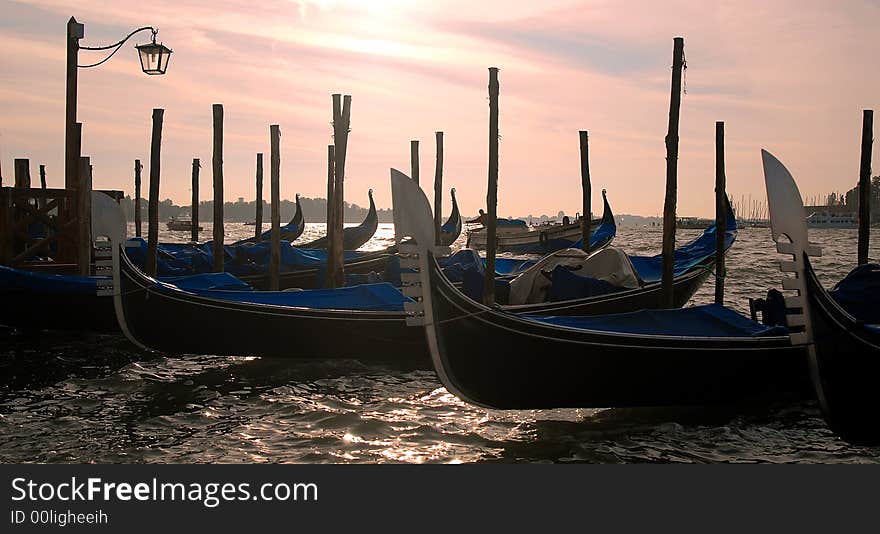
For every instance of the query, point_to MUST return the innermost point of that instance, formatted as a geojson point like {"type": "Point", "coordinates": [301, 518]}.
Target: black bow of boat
{"type": "Point", "coordinates": [289, 232]}
{"type": "Point", "coordinates": [356, 236]}
{"type": "Point", "coordinates": [451, 229]}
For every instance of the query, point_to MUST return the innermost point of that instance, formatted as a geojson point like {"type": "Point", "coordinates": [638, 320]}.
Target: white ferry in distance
{"type": "Point", "coordinates": [823, 219]}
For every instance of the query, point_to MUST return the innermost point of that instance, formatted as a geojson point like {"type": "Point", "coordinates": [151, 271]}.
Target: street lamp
{"type": "Point", "coordinates": [154, 61]}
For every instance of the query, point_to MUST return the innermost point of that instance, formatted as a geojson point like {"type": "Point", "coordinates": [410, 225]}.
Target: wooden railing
{"type": "Point", "coordinates": [39, 228]}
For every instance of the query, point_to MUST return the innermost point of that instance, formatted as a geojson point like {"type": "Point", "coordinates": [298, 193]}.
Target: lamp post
{"type": "Point", "coordinates": [154, 61]}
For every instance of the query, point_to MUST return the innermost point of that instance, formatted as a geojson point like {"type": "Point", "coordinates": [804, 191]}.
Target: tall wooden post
{"type": "Point", "coordinates": [341, 123]}
{"type": "Point", "coordinates": [438, 189]}
{"type": "Point", "coordinates": [153, 202]}
{"type": "Point", "coordinates": [75, 32]}
{"type": "Point", "coordinates": [22, 173]}
{"type": "Point", "coordinates": [586, 193]}
{"type": "Point", "coordinates": [414, 160]}
{"type": "Point", "coordinates": [275, 198]}
{"type": "Point", "coordinates": [42, 177]}
{"type": "Point", "coordinates": [258, 210]}
{"type": "Point", "coordinates": [865, 186]}
{"type": "Point", "coordinates": [720, 212]}
{"type": "Point", "coordinates": [668, 296]}
{"type": "Point", "coordinates": [194, 204]}
{"type": "Point", "coordinates": [331, 201]}
{"type": "Point", "coordinates": [84, 217]}
{"type": "Point", "coordinates": [492, 190]}
{"type": "Point", "coordinates": [137, 197]}
{"type": "Point", "coordinates": [218, 188]}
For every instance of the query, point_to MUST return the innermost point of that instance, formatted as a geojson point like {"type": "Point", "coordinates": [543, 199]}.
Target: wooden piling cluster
{"type": "Point", "coordinates": [341, 125]}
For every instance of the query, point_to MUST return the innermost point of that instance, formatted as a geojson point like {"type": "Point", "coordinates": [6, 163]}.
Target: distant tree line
{"type": "Point", "coordinates": [314, 210]}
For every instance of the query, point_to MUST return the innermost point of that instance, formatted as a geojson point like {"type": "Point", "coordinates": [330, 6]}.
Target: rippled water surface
{"type": "Point", "coordinates": [91, 398]}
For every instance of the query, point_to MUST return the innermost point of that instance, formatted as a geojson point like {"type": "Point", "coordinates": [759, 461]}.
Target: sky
{"type": "Point", "coordinates": [792, 76]}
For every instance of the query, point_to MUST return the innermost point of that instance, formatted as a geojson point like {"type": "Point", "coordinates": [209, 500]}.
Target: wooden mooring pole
{"type": "Point", "coordinates": [492, 189]}
{"type": "Point", "coordinates": [275, 199]}
{"type": "Point", "coordinates": [331, 204]}
{"type": "Point", "coordinates": [42, 177]}
{"type": "Point", "coordinates": [137, 197]}
{"type": "Point", "coordinates": [865, 186]}
{"type": "Point", "coordinates": [218, 187]}
{"type": "Point", "coordinates": [414, 160]}
{"type": "Point", "coordinates": [84, 217]}
{"type": "Point", "coordinates": [586, 192]}
{"type": "Point", "coordinates": [720, 212]}
{"type": "Point", "coordinates": [153, 201]}
{"type": "Point", "coordinates": [667, 293]}
{"type": "Point", "coordinates": [341, 124]}
{"type": "Point", "coordinates": [194, 205]}
{"type": "Point", "coordinates": [22, 173]}
{"type": "Point", "coordinates": [438, 189]}
{"type": "Point", "coordinates": [258, 209]}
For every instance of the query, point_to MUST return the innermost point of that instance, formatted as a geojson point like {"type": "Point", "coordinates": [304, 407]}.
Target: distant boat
{"type": "Point", "coordinates": [181, 224]}
{"type": "Point", "coordinates": [693, 223]}
{"type": "Point", "coordinates": [824, 219]}
{"type": "Point", "coordinates": [514, 235]}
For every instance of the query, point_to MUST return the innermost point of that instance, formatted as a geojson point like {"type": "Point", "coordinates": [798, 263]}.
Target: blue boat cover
{"type": "Point", "coordinates": [25, 281]}
{"type": "Point", "coordinates": [510, 222]}
{"type": "Point", "coordinates": [366, 297]}
{"type": "Point", "coordinates": [178, 259]}
{"type": "Point", "coordinates": [63, 284]}
{"type": "Point", "coordinates": [604, 232]}
{"type": "Point", "coordinates": [510, 266]}
{"type": "Point", "coordinates": [567, 285]}
{"type": "Point", "coordinates": [650, 268]}
{"type": "Point", "coordinates": [859, 293]}
{"type": "Point", "coordinates": [223, 281]}
{"type": "Point", "coordinates": [711, 320]}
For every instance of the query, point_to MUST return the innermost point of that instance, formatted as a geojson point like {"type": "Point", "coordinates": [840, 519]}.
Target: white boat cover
{"type": "Point", "coordinates": [609, 264]}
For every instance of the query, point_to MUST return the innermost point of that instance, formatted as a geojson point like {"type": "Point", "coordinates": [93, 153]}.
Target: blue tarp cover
{"type": "Point", "coordinates": [510, 222]}
{"type": "Point", "coordinates": [62, 284]}
{"type": "Point", "coordinates": [224, 281]}
{"type": "Point", "coordinates": [18, 280]}
{"type": "Point", "coordinates": [711, 320]}
{"type": "Point", "coordinates": [650, 268]}
{"type": "Point", "coordinates": [366, 297]}
{"type": "Point", "coordinates": [859, 293]}
{"type": "Point", "coordinates": [567, 285]}
{"type": "Point", "coordinates": [177, 259]}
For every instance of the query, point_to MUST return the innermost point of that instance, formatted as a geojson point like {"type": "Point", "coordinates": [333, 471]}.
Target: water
{"type": "Point", "coordinates": [90, 398]}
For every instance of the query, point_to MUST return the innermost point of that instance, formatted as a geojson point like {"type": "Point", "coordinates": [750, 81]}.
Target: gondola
{"type": "Point", "coordinates": [354, 237]}
{"type": "Point", "coordinates": [298, 324]}
{"type": "Point", "coordinates": [541, 240]}
{"type": "Point", "coordinates": [693, 265]}
{"type": "Point", "coordinates": [451, 229]}
{"type": "Point", "coordinates": [492, 358]}
{"type": "Point", "coordinates": [843, 350]}
{"type": "Point", "coordinates": [289, 232]}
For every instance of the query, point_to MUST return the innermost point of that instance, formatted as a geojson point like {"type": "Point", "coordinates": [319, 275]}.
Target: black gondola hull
{"type": "Point", "coordinates": [848, 365]}
{"type": "Point", "coordinates": [500, 361]}
{"type": "Point", "coordinates": [179, 322]}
